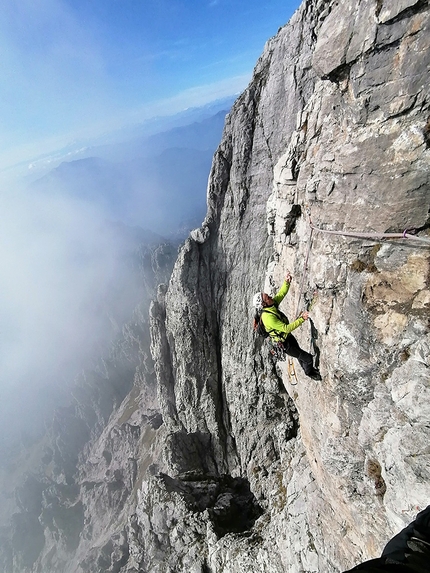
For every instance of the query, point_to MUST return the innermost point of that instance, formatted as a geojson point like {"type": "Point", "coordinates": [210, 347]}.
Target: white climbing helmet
{"type": "Point", "coordinates": [257, 301]}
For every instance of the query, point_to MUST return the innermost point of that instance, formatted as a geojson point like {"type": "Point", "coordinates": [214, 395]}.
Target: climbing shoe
{"type": "Point", "coordinates": [315, 375]}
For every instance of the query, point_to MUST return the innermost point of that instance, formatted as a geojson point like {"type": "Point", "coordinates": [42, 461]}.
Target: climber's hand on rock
{"type": "Point", "coordinates": [305, 314]}
{"type": "Point", "coordinates": [288, 277]}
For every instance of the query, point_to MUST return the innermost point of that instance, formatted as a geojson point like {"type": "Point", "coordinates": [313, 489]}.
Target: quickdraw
{"type": "Point", "coordinates": [292, 376]}
{"type": "Point", "coordinates": [311, 301]}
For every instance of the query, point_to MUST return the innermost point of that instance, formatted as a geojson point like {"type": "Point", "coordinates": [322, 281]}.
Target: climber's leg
{"type": "Point", "coordinates": [305, 359]}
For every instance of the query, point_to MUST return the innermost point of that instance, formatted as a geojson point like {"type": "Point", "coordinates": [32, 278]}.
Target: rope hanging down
{"type": "Point", "coordinates": [291, 370]}
{"type": "Point", "coordinates": [305, 268]}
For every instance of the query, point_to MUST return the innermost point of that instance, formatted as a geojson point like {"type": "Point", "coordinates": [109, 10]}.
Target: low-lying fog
{"type": "Point", "coordinates": [68, 276]}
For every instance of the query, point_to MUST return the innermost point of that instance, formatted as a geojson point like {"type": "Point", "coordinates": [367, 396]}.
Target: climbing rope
{"type": "Point", "coordinates": [302, 282]}
{"type": "Point", "coordinates": [357, 235]}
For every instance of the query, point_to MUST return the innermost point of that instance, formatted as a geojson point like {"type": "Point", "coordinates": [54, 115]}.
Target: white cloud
{"type": "Point", "coordinates": [42, 279]}
{"type": "Point", "coordinates": [58, 258]}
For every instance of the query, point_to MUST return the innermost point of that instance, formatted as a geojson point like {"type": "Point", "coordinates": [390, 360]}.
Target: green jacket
{"type": "Point", "coordinates": [275, 322]}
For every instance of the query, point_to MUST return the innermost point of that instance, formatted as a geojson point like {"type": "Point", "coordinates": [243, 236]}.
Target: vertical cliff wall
{"type": "Point", "coordinates": [335, 124]}
{"type": "Point", "coordinates": [216, 460]}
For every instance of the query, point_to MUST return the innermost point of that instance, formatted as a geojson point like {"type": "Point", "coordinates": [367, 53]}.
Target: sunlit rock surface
{"type": "Point", "coordinates": [215, 461]}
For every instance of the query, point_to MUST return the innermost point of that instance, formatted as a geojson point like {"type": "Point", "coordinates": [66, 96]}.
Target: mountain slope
{"type": "Point", "coordinates": [217, 461]}
{"type": "Point", "coordinates": [338, 127]}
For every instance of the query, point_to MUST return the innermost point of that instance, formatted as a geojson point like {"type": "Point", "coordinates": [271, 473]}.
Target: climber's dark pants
{"type": "Point", "coordinates": [293, 349]}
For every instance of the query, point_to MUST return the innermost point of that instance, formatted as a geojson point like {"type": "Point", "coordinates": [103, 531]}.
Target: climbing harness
{"type": "Point", "coordinates": [277, 351]}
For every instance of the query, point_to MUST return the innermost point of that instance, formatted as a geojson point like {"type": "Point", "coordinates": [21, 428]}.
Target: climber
{"type": "Point", "coordinates": [279, 329]}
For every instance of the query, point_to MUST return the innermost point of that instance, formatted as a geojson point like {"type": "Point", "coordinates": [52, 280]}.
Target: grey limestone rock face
{"type": "Point", "coordinates": [337, 129]}
{"type": "Point", "coordinates": [217, 460]}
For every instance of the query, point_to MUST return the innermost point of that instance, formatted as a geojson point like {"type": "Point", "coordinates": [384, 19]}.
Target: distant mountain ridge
{"type": "Point", "coordinates": [36, 167]}
{"type": "Point", "coordinates": [203, 135]}
{"type": "Point", "coordinates": [157, 182]}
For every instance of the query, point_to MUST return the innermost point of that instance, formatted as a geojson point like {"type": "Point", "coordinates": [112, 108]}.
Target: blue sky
{"type": "Point", "coordinates": [73, 69]}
